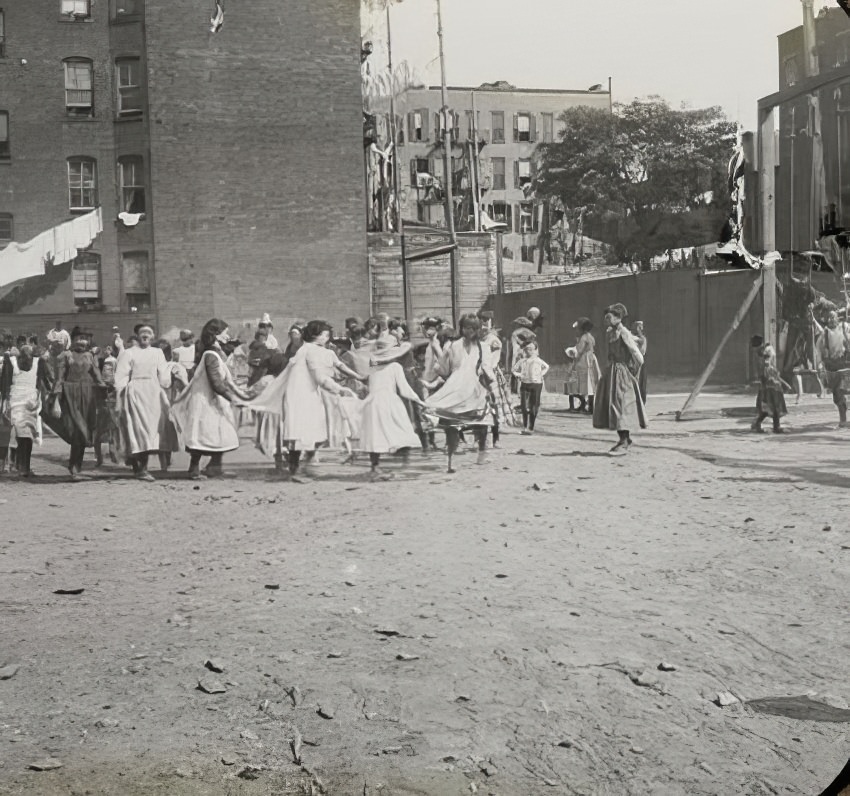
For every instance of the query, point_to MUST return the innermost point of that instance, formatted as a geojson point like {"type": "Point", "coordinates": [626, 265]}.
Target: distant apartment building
{"type": "Point", "coordinates": [506, 126]}
{"type": "Point", "coordinates": [228, 165]}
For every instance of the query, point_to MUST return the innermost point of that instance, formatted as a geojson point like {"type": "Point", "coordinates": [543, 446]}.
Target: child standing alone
{"type": "Point", "coordinates": [530, 370]}
{"type": "Point", "coordinates": [771, 400]}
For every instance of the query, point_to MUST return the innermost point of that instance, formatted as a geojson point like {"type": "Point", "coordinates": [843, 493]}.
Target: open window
{"type": "Point", "coordinates": [76, 9]}
{"type": "Point", "coordinates": [7, 229]}
{"type": "Point", "coordinates": [132, 183]}
{"type": "Point", "coordinates": [135, 275]}
{"type": "Point", "coordinates": [5, 151]}
{"type": "Point", "coordinates": [79, 97]}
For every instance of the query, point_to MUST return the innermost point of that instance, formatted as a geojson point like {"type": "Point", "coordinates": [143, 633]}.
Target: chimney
{"type": "Point", "coordinates": [810, 38]}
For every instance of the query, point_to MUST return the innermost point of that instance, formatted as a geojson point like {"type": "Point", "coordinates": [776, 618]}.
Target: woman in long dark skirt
{"type": "Point", "coordinates": [618, 405]}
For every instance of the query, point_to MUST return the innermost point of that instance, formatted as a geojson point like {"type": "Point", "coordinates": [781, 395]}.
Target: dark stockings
{"type": "Point", "coordinates": [78, 451]}
{"type": "Point", "coordinates": [24, 455]}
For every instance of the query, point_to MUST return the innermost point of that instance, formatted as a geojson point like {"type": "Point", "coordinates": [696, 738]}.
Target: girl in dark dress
{"type": "Point", "coordinates": [80, 388]}
{"type": "Point", "coordinates": [618, 405]}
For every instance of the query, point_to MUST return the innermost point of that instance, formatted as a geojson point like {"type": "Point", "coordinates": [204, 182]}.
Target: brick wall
{"type": "Point", "coordinates": [34, 182]}
{"type": "Point", "coordinates": [257, 161]}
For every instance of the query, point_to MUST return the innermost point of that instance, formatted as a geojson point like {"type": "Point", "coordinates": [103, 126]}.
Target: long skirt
{"type": "Point", "coordinates": [386, 424]}
{"type": "Point", "coordinates": [145, 424]}
{"type": "Point", "coordinates": [618, 406]}
{"type": "Point", "coordinates": [500, 400]}
{"type": "Point", "coordinates": [771, 401]}
{"type": "Point", "coordinates": [80, 404]}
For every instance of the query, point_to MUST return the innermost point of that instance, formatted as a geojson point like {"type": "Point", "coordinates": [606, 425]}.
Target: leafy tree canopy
{"type": "Point", "coordinates": [649, 177]}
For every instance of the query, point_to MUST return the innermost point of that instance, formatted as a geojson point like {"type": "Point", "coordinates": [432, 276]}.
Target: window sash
{"type": "Point", "coordinates": [82, 184]}
{"type": "Point", "coordinates": [4, 127]}
{"type": "Point", "coordinates": [497, 119]}
{"type": "Point", "coordinates": [498, 174]}
{"type": "Point", "coordinates": [76, 7]}
{"type": "Point", "coordinates": [5, 229]}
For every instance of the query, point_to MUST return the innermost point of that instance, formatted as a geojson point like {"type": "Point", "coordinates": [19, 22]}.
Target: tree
{"type": "Point", "coordinates": [648, 177]}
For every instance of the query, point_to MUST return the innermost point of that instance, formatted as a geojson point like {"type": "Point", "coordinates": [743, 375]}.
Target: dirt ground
{"type": "Point", "coordinates": [498, 631]}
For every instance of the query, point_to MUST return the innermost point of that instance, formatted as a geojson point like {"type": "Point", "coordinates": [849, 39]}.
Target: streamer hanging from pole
{"type": "Point", "coordinates": [217, 19]}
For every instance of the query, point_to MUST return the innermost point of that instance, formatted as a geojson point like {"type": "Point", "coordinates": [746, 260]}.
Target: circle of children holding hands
{"type": "Point", "coordinates": [372, 392]}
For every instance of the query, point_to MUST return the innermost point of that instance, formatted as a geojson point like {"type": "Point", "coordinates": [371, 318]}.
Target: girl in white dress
{"type": "Point", "coordinates": [142, 377]}
{"type": "Point", "coordinates": [386, 426]}
{"type": "Point", "coordinates": [203, 413]}
{"type": "Point", "coordinates": [292, 415]}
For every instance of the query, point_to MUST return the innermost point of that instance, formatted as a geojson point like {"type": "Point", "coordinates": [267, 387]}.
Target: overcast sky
{"type": "Point", "coordinates": [699, 52]}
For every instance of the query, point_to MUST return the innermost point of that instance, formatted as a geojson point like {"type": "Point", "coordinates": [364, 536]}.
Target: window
{"type": "Point", "coordinates": [501, 213]}
{"type": "Point", "coordinates": [82, 183]}
{"type": "Point", "coordinates": [6, 229]}
{"type": "Point", "coordinates": [75, 8]}
{"type": "Point", "coordinates": [78, 87]}
{"type": "Point", "coordinates": [497, 125]}
{"type": "Point", "coordinates": [526, 253]}
{"type": "Point", "coordinates": [498, 173]}
{"type": "Point", "coordinates": [842, 47]}
{"type": "Point", "coordinates": [132, 183]}
{"type": "Point", "coordinates": [417, 125]}
{"type": "Point", "coordinates": [421, 172]}
{"type": "Point", "coordinates": [792, 71]}
{"type": "Point", "coordinates": [126, 8]}
{"type": "Point", "coordinates": [524, 127]}
{"type": "Point", "coordinates": [548, 128]}
{"type": "Point", "coordinates": [128, 73]}
{"type": "Point", "coordinates": [2, 34]}
{"type": "Point", "coordinates": [136, 280]}
{"type": "Point", "coordinates": [527, 217]}
{"type": "Point", "coordinates": [4, 135]}
{"type": "Point", "coordinates": [86, 278]}
{"type": "Point", "coordinates": [522, 172]}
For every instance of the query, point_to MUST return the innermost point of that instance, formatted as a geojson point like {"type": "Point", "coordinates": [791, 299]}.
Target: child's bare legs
{"type": "Point", "coordinates": [798, 381]}
{"type": "Point", "coordinates": [452, 441]}
{"type": "Point", "coordinates": [480, 433]}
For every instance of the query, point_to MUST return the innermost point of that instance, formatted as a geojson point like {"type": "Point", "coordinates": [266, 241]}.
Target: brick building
{"type": "Point", "coordinates": [239, 152]}
{"type": "Point", "coordinates": [509, 123]}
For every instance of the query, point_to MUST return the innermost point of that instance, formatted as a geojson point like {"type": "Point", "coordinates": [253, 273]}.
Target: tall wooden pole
{"type": "Point", "coordinates": [476, 193]}
{"type": "Point", "coordinates": [405, 281]}
{"type": "Point", "coordinates": [447, 168]}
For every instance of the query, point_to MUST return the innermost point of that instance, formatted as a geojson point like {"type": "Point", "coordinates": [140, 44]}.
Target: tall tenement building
{"type": "Point", "coordinates": [235, 158]}
{"type": "Point", "coordinates": [506, 126]}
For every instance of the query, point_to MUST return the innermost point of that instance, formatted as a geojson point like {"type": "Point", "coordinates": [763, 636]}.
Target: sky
{"type": "Point", "coordinates": [696, 52]}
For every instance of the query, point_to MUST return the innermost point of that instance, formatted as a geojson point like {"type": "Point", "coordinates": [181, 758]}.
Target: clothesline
{"type": "Point", "coordinates": [54, 246]}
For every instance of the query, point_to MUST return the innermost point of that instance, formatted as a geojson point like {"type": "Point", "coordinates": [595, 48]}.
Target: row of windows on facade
{"type": "Point", "coordinates": [525, 127]}
{"type": "Point", "coordinates": [82, 9]}
{"type": "Point", "coordinates": [86, 273]}
{"type": "Point", "coordinates": [521, 217]}
{"type": "Point", "coordinates": [79, 86]}
{"type": "Point", "coordinates": [82, 178]}
{"type": "Point", "coordinates": [423, 169]}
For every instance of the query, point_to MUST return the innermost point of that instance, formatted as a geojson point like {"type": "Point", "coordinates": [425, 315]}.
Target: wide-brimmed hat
{"type": "Point", "coordinates": [522, 321]}
{"type": "Point", "coordinates": [78, 331]}
{"type": "Point", "coordinates": [186, 334]}
{"type": "Point", "coordinates": [385, 352]}
{"type": "Point", "coordinates": [617, 309]}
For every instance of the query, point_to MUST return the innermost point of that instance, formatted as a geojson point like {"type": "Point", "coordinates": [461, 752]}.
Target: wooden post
{"type": "Point", "coordinates": [767, 179]}
{"type": "Point", "coordinates": [736, 322]}
{"type": "Point", "coordinates": [768, 275]}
